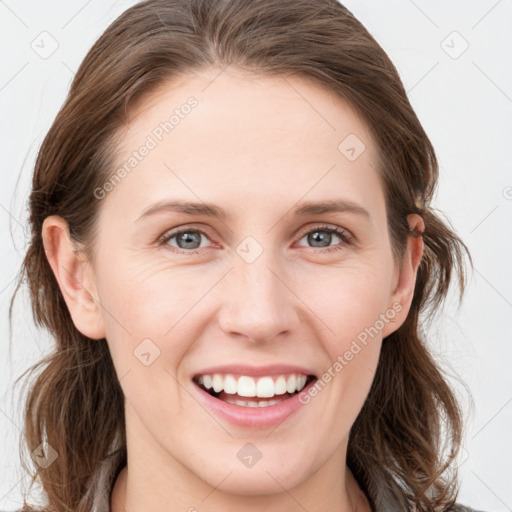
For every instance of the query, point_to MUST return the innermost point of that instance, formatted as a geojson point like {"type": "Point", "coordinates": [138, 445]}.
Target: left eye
{"type": "Point", "coordinates": [312, 237]}
{"type": "Point", "coordinates": [188, 239]}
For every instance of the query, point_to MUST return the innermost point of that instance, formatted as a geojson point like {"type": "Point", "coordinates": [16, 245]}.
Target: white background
{"type": "Point", "coordinates": [465, 106]}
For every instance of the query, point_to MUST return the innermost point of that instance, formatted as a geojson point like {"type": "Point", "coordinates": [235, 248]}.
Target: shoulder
{"type": "Point", "coordinates": [26, 509]}
{"type": "Point", "coordinates": [459, 507]}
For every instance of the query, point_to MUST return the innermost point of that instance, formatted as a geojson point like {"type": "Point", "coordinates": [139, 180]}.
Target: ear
{"type": "Point", "coordinates": [404, 280]}
{"type": "Point", "coordinates": [74, 276]}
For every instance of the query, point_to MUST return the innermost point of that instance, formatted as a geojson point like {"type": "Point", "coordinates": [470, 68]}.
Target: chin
{"type": "Point", "coordinates": [263, 478]}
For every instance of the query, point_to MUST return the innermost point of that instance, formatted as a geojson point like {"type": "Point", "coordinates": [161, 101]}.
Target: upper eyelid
{"type": "Point", "coordinates": [325, 226]}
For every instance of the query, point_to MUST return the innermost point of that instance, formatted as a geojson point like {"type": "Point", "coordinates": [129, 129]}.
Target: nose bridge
{"type": "Point", "coordinates": [257, 303]}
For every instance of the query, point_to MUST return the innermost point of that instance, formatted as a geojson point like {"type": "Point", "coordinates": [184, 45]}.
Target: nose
{"type": "Point", "coordinates": [257, 302]}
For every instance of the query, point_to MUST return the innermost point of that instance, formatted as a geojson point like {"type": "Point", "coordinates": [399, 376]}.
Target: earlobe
{"type": "Point", "coordinates": [74, 276]}
{"type": "Point", "coordinates": [406, 280]}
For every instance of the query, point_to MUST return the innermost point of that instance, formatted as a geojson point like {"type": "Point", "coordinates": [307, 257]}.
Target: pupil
{"type": "Point", "coordinates": [321, 236]}
{"type": "Point", "coordinates": [187, 238]}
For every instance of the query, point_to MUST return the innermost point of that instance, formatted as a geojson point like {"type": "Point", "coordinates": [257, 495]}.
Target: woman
{"type": "Point", "coordinates": [210, 355]}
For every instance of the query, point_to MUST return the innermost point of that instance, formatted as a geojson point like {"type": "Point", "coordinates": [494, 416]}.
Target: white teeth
{"type": "Point", "coordinates": [217, 383]}
{"type": "Point", "coordinates": [280, 385]}
{"type": "Point", "coordinates": [266, 403]}
{"type": "Point", "coordinates": [263, 387]}
{"type": "Point", "coordinates": [246, 386]}
{"type": "Point", "coordinates": [251, 403]}
{"type": "Point", "coordinates": [291, 384]}
{"type": "Point", "coordinates": [230, 385]}
{"type": "Point", "coordinates": [207, 381]}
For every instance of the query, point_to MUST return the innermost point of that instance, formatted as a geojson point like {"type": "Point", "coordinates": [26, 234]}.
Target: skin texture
{"type": "Point", "coordinates": [256, 146]}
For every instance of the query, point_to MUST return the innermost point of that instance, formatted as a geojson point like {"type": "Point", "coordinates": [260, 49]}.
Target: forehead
{"type": "Point", "coordinates": [221, 133]}
{"type": "Point", "coordinates": [234, 101]}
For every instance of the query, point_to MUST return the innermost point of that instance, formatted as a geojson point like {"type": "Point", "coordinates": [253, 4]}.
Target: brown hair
{"type": "Point", "coordinates": [76, 402]}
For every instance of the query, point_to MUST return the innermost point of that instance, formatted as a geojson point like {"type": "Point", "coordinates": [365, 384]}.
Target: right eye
{"type": "Point", "coordinates": [186, 238]}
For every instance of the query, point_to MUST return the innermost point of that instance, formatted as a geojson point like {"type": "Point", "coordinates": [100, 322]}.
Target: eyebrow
{"type": "Point", "coordinates": [212, 210]}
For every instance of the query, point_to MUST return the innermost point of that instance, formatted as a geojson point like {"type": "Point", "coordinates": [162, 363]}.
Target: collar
{"type": "Point", "coordinates": [103, 484]}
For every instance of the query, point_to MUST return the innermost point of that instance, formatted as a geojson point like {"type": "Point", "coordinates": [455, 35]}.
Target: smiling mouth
{"type": "Point", "coordinates": [246, 391]}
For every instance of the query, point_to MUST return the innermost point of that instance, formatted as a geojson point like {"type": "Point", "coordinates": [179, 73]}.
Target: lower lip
{"type": "Point", "coordinates": [254, 417]}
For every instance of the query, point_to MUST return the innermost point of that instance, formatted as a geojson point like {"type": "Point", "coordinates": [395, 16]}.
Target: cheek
{"type": "Point", "coordinates": [353, 314]}
{"type": "Point", "coordinates": [349, 304]}
{"type": "Point", "coordinates": [143, 313]}
{"type": "Point", "coordinates": [146, 298]}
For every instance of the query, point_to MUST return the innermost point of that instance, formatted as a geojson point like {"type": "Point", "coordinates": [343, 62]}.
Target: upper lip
{"type": "Point", "coordinates": [255, 371]}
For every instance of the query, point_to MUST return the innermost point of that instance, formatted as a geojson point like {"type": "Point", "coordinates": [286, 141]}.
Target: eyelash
{"type": "Point", "coordinates": [342, 233]}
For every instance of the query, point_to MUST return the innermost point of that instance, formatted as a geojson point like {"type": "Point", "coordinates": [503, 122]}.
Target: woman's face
{"type": "Point", "coordinates": [255, 299]}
